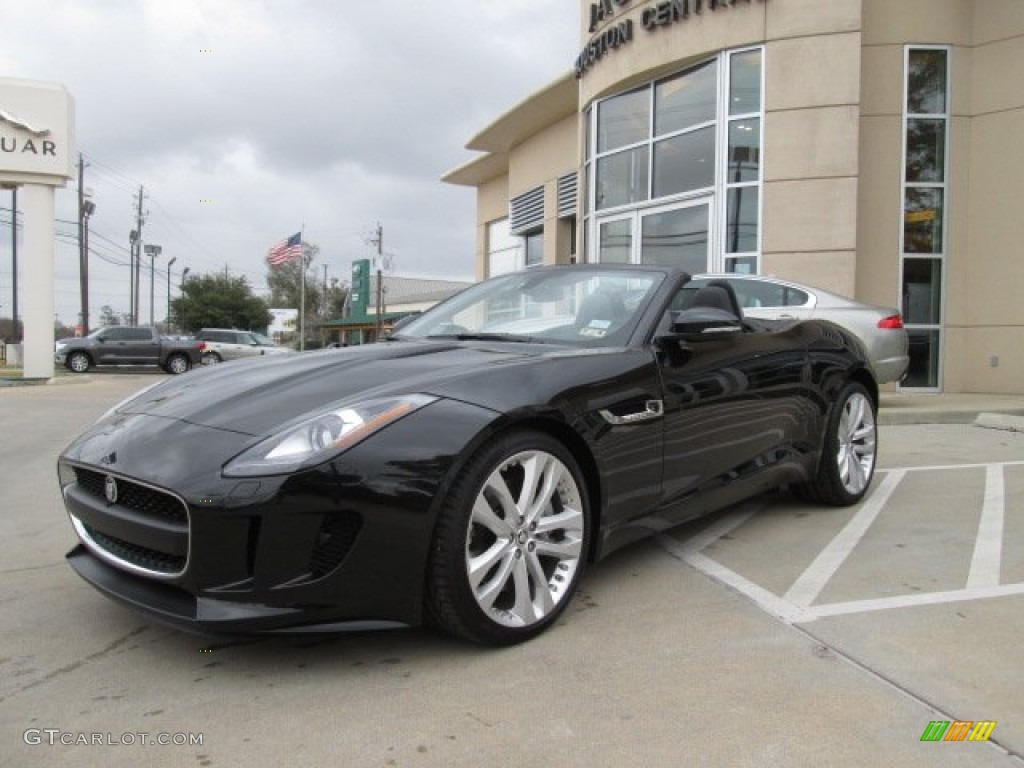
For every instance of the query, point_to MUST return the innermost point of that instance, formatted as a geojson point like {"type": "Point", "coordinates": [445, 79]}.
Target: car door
{"type": "Point", "coordinates": [735, 408]}
{"type": "Point", "coordinates": [141, 347]}
{"type": "Point", "coordinates": [234, 345]}
{"type": "Point", "coordinates": [113, 347]}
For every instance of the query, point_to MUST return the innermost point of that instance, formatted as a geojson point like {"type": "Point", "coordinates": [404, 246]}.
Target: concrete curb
{"type": "Point", "coordinates": [1005, 421]}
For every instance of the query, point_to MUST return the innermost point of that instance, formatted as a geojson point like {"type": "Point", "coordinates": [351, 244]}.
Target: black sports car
{"type": "Point", "coordinates": [467, 469]}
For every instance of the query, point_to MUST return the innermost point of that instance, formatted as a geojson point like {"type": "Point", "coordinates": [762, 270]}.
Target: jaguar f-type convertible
{"type": "Point", "coordinates": [468, 468]}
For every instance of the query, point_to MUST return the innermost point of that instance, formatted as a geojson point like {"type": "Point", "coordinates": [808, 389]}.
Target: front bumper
{"type": "Point", "coordinates": [206, 615]}
{"type": "Point", "coordinates": [342, 546]}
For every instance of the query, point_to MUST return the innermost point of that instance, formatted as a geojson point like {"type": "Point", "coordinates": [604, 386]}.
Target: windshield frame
{"type": "Point", "coordinates": [531, 300]}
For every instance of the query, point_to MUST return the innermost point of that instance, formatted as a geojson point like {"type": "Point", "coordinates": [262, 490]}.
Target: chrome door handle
{"type": "Point", "coordinates": [653, 409]}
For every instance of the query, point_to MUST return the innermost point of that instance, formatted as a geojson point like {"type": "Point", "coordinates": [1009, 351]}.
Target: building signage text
{"type": "Point", "coordinates": [661, 14]}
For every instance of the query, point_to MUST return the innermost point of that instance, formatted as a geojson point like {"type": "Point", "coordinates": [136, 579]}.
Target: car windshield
{"type": "Point", "coordinates": [585, 306]}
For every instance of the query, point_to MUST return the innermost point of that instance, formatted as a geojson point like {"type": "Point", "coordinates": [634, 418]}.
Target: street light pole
{"type": "Point", "coordinates": [181, 320]}
{"type": "Point", "coordinates": [153, 251]}
{"type": "Point", "coordinates": [88, 208]}
{"type": "Point", "coordinates": [169, 263]}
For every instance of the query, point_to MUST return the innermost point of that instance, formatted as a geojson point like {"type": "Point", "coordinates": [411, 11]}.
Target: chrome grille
{"type": "Point", "coordinates": [139, 498]}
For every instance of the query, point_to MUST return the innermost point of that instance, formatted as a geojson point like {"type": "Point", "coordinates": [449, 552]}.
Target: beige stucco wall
{"type": "Point", "coordinates": [984, 317]}
{"type": "Point", "coordinates": [540, 161]}
{"type": "Point", "coordinates": [986, 271]}
{"type": "Point", "coordinates": [491, 204]}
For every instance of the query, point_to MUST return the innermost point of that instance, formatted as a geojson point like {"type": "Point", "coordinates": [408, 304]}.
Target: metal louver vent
{"type": "Point", "coordinates": [526, 211]}
{"type": "Point", "coordinates": [567, 186]}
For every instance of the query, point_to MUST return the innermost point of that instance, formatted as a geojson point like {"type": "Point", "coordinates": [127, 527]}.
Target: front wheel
{"type": "Point", "coordinates": [177, 364]}
{"type": "Point", "coordinates": [850, 447]}
{"type": "Point", "coordinates": [79, 362]}
{"type": "Point", "coordinates": [511, 541]}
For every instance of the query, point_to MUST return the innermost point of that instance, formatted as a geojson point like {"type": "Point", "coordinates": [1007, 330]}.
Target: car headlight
{"type": "Point", "coordinates": [328, 433]}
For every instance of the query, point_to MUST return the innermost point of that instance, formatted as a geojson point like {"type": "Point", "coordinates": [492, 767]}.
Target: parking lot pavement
{"type": "Point", "coordinates": [773, 634]}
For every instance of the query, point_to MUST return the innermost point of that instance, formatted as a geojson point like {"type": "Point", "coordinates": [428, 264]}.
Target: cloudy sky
{"type": "Point", "coordinates": [246, 120]}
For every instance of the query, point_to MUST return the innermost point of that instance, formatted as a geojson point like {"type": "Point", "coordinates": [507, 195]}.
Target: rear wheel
{"type": "Point", "coordinates": [511, 541]}
{"type": "Point", "coordinates": [177, 364]}
{"type": "Point", "coordinates": [847, 463]}
{"type": "Point", "coordinates": [79, 362]}
{"type": "Point", "coordinates": [210, 358]}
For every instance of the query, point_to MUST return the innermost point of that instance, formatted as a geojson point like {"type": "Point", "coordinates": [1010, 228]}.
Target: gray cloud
{"type": "Point", "coordinates": [329, 114]}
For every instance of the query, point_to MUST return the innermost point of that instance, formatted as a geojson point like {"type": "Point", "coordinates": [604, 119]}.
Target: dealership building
{"type": "Point", "coordinates": [867, 147]}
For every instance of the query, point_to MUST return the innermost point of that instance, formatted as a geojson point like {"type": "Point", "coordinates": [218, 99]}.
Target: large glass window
{"type": "Point", "coordinates": [504, 250]}
{"type": "Point", "coordinates": [622, 178]}
{"type": "Point", "coordinates": [686, 100]}
{"type": "Point", "coordinates": [674, 168]}
{"type": "Point", "coordinates": [623, 120]}
{"type": "Point", "coordinates": [923, 239]}
{"type": "Point", "coordinates": [685, 162]}
{"type": "Point", "coordinates": [534, 248]}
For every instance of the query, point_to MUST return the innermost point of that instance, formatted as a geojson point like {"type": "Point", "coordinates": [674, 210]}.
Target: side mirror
{"type": "Point", "coordinates": [703, 324]}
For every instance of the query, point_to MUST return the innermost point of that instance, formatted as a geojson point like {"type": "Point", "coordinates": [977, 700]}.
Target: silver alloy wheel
{"type": "Point", "coordinates": [856, 435]}
{"type": "Point", "coordinates": [525, 539]}
{"type": "Point", "coordinates": [78, 362]}
{"type": "Point", "coordinates": [210, 358]}
{"type": "Point", "coordinates": [177, 364]}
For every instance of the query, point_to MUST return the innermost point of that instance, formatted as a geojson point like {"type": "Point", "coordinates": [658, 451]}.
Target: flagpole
{"type": "Point", "coordinates": [302, 294]}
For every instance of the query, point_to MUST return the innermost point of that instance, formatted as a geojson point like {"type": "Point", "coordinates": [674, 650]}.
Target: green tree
{"type": "Point", "coordinates": [219, 301]}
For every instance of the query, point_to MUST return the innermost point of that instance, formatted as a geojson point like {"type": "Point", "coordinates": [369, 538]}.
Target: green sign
{"type": "Point", "coordinates": [360, 287]}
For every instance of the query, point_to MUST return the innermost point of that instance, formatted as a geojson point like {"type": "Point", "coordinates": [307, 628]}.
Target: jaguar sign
{"type": "Point", "coordinates": [36, 157]}
{"type": "Point", "coordinates": [35, 132]}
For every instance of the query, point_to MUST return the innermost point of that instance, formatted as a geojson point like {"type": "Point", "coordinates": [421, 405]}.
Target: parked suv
{"type": "Point", "coordinates": [224, 344]}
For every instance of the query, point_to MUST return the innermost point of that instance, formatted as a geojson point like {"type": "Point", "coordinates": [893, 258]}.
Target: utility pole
{"type": "Point", "coordinates": [152, 251]}
{"type": "Point", "coordinates": [83, 315]}
{"type": "Point", "coordinates": [85, 209]}
{"type": "Point", "coordinates": [137, 258]}
{"type": "Point", "coordinates": [379, 240]}
{"type": "Point", "coordinates": [169, 264]}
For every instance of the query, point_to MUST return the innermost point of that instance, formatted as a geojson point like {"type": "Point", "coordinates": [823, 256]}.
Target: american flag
{"type": "Point", "coordinates": [285, 251]}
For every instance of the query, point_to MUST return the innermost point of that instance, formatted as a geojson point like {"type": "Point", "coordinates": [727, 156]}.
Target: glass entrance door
{"type": "Point", "coordinates": [677, 236]}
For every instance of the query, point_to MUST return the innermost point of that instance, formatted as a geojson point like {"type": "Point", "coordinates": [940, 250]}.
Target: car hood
{"type": "Point", "coordinates": [256, 396]}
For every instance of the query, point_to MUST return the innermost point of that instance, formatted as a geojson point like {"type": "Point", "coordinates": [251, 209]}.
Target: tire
{"type": "Point", "coordinates": [849, 450]}
{"type": "Point", "coordinates": [79, 362]}
{"type": "Point", "coordinates": [502, 571]}
{"type": "Point", "coordinates": [177, 364]}
{"type": "Point", "coordinates": [210, 358]}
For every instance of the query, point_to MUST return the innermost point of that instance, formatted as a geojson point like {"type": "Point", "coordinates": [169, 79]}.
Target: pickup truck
{"type": "Point", "coordinates": [128, 345]}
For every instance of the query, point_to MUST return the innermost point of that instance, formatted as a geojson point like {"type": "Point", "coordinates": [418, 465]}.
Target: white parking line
{"type": "Point", "coordinates": [795, 606]}
{"type": "Point", "coordinates": [988, 547]}
{"type": "Point", "coordinates": [810, 583]}
{"type": "Point", "coordinates": [908, 601]}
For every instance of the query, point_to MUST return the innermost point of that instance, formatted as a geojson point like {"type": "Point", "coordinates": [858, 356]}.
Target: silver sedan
{"type": "Point", "coordinates": [879, 328]}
